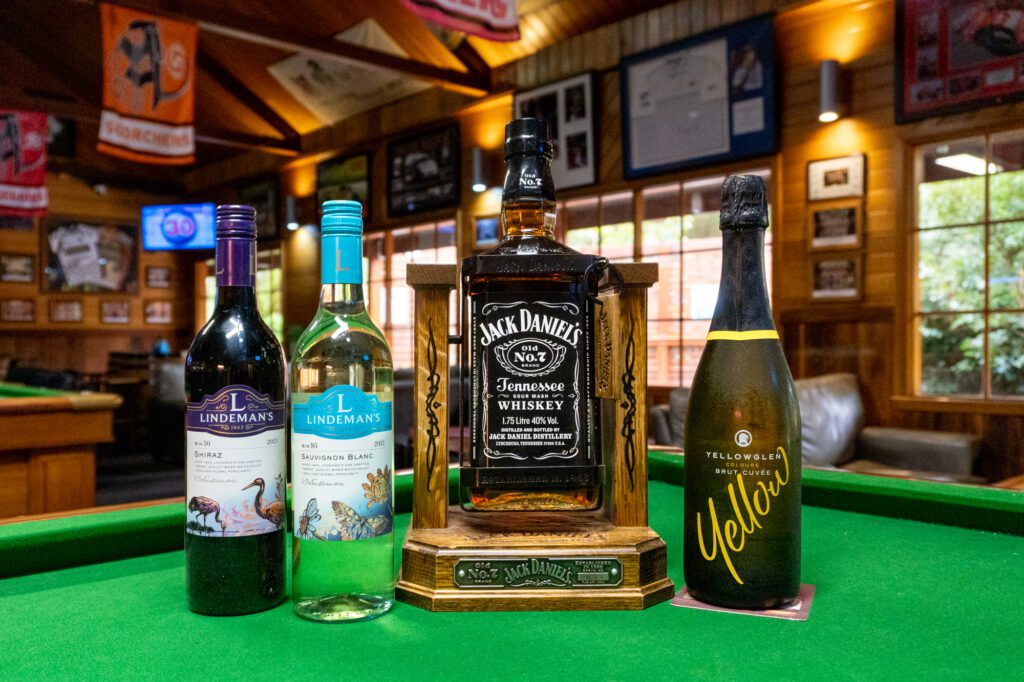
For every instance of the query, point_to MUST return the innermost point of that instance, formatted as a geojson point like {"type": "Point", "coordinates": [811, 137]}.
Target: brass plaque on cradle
{"type": "Point", "coordinates": [535, 573]}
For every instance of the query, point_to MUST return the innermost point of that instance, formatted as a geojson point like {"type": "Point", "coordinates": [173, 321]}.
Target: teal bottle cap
{"type": "Point", "coordinates": [342, 217]}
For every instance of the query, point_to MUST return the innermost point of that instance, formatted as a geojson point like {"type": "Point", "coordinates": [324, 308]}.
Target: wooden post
{"type": "Point", "coordinates": [626, 449]}
{"type": "Point", "coordinates": [432, 284]}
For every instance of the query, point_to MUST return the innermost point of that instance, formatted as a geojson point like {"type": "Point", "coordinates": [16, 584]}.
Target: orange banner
{"type": "Point", "coordinates": [149, 67]}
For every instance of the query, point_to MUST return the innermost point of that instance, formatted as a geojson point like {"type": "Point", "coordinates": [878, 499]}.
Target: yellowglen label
{"type": "Point", "coordinates": [747, 508]}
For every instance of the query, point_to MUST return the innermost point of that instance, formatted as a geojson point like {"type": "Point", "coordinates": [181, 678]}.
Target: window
{"type": "Point", "coordinates": [390, 300]}
{"type": "Point", "coordinates": [601, 225]}
{"type": "Point", "coordinates": [968, 298]}
{"type": "Point", "coordinates": [268, 289]}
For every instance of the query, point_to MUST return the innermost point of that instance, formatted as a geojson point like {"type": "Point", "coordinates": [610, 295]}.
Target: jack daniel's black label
{"type": "Point", "coordinates": [531, 380]}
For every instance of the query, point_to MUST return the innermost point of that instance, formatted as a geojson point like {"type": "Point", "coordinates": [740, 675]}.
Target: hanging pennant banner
{"type": "Point", "coordinates": [491, 19]}
{"type": "Point", "coordinates": [22, 163]}
{"type": "Point", "coordinates": [149, 66]}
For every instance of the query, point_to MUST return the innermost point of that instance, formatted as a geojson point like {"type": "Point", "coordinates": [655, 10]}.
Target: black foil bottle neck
{"type": "Point", "coordinates": [527, 178]}
{"type": "Point", "coordinates": [743, 303]}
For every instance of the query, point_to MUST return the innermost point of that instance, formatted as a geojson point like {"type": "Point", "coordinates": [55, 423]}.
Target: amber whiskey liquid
{"type": "Point", "coordinates": [530, 343]}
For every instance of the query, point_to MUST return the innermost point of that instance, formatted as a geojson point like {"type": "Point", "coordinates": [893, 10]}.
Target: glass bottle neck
{"type": "Point", "coordinates": [236, 297]}
{"type": "Point", "coordinates": [342, 299]}
{"type": "Point", "coordinates": [528, 198]}
{"type": "Point", "coordinates": [743, 303]}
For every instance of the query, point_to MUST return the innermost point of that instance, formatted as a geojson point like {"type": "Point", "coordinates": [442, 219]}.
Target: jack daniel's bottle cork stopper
{"type": "Point", "coordinates": [744, 202]}
{"type": "Point", "coordinates": [528, 136]}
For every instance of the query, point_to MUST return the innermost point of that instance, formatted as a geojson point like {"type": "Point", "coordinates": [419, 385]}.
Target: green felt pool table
{"type": "Point", "coordinates": [914, 581]}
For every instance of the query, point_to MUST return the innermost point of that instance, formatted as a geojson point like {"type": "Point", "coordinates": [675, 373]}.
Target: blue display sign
{"type": "Point", "coordinates": [178, 226]}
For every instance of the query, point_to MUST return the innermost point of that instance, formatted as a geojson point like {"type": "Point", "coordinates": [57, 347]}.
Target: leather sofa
{"type": "Point", "coordinates": [834, 435]}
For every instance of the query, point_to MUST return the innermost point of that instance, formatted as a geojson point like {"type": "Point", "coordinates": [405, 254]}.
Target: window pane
{"type": "Point", "coordinates": [662, 235]}
{"type": "Point", "coordinates": [951, 354]}
{"type": "Point", "coordinates": [1006, 186]}
{"type": "Point", "coordinates": [952, 184]}
{"type": "Point", "coordinates": [584, 241]}
{"type": "Point", "coordinates": [695, 333]}
{"type": "Point", "coordinates": [951, 269]}
{"type": "Point", "coordinates": [445, 236]}
{"type": "Point", "coordinates": [664, 299]}
{"type": "Point", "coordinates": [664, 353]}
{"type": "Point", "coordinates": [617, 241]}
{"type": "Point", "coordinates": [1006, 345]}
{"type": "Point", "coordinates": [701, 273]}
{"type": "Point", "coordinates": [661, 202]}
{"type": "Point", "coordinates": [617, 208]}
{"type": "Point", "coordinates": [581, 213]}
{"type": "Point", "coordinates": [401, 346]}
{"type": "Point", "coordinates": [1006, 266]}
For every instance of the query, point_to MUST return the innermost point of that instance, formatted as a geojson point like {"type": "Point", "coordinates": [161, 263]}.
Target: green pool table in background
{"type": "Point", "coordinates": [914, 581]}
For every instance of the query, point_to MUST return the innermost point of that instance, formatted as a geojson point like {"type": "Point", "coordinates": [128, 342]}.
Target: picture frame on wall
{"type": "Point", "coordinates": [569, 107]}
{"type": "Point", "coordinates": [158, 277]}
{"type": "Point", "coordinates": [17, 268]}
{"type": "Point", "coordinates": [17, 223]}
{"type": "Point", "coordinates": [955, 55]}
{"type": "Point", "coordinates": [87, 257]}
{"type": "Point", "coordinates": [837, 277]}
{"type": "Point", "coordinates": [345, 177]}
{"type": "Point", "coordinates": [708, 98]}
{"type": "Point", "coordinates": [115, 312]}
{"type": "Point", "coordinates": [836, 178]}
{"type": "Point", "coordinates": [261, 194]}
{"type": "Point", "coordinates": [424, 171]}
{"type": "Point", "coordinates": [18, 310]}
{"type": "Point", "coordinates": [159, 312]}
{"type": "Point", "coordinates": [64, 311]}
{"type": "Point", "coordinates": [486, 232]}
{"type": "Point", "coordinates": [836, 224]}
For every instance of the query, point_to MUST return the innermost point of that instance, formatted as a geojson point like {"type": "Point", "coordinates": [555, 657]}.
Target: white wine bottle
{"type": "Point", "coordinates": [342, 442]}
{"type": "Point", "coordinates": [741, 526]}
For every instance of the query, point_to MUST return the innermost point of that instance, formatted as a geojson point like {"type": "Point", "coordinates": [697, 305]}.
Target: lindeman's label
{"type": "Point", "coordinates": [235, 463]}
{"type": "Point", "coordinates": [753, 478]}
{"type": "Point", "coordinates": [530, 380]}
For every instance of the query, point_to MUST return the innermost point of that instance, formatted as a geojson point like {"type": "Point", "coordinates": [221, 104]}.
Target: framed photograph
{"type": "Point", "coordinates": [569, 107]}
{"type": "Point", "coordinates": [262, 195]}
{"type": "Point", "coordinates": [18, 310]}
{"type": "Point", "coordinates": [66, 311]}
{"type": "Point", "coordinates": [347, 177]}
{"type": "Point", "coordinates": [158, 277]}
{"type": "Point", "coordinates": [706, 99]}
{"type": "Point", "coordinates": [159, 312]}
{"type": "Point", "coordinates": [836, 178]}
{"type": "Point", "coordinates": [835, 224]}
{"type": "Point", "coordinates": [115, 312]}
{"type": "Point", "coordinates": [86, 257]}
{"type": "Point", "coordinates": [955, 55]}
{"type": "Point", "coordinates": [836, 277]}
{"type": "Point", "coordinates": [16, 267]}
{"type": "Point", "coordinates": [487, 231]}
{"type": "Point", "coordinates": [424, 172]}
{"type": "Point", "coordinates": [17, 223]}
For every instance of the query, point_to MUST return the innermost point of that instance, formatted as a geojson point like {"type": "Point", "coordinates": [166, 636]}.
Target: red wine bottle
{"type": "Point", "coordinates": [235, 440]}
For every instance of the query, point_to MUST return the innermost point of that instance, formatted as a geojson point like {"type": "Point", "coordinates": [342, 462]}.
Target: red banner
{"type": "Point", "coordinates": [491, 19]}
{"type": "Point", "coordinates": [22, 163]}
{"type": "Point", "coordinates": [149, 67]}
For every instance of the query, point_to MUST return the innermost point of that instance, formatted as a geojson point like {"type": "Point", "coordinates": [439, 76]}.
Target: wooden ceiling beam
{"type": "Point", "coordinates": [240, 91]}
{"type": "Point", "coordinates": [290, 40]}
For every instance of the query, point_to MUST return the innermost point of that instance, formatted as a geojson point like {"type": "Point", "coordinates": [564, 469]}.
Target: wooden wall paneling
{"type": "Point", "coordinates": [61, 479]}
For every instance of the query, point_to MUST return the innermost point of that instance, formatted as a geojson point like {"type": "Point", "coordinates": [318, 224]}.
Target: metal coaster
{"type": "Point", "coordinates": [798, 610]}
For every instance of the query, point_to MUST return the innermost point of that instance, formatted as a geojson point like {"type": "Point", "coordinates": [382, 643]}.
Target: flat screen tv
{"type": "Point", "coordinates": [178, 226]}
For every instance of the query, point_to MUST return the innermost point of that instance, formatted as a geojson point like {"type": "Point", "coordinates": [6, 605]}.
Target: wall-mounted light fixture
{"type": "Point", "coordinates": [480, 176]}
{"type": "Point", "coordinates": [832, 95]}
{"type": "Point", "coordinates": [291, 216]}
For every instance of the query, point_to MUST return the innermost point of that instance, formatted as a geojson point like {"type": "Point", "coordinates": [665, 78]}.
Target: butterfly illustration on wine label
{"type": "Point", "coordinates": [308, 521]}
{"type": "Point", "coordinates": [354, 526]}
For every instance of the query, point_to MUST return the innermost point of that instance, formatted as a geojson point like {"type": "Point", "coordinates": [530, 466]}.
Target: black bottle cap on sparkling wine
{"type": "Point", "coordinates": [528, 136]}
{"type": "Point", "coordinates": [744, 202]}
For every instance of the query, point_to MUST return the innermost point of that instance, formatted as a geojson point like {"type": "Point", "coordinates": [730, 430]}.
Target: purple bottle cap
{"type": "Point", "coordinates": [235, 221]}
{"type": "Point", "coordinates": [236, 246]}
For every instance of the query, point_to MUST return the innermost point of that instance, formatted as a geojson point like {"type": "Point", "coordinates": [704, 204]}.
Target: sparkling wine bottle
{"type": "Point", "coordinates": [342, 442]}
{"type": "Point", "coordinates": [742, 432]}
{"type": "Point", "coordinates": [235, 439]}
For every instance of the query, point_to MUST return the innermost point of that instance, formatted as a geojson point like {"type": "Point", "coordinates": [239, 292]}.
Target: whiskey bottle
{"type": "Point", "coordinates": [741, 524]}
{"type": "Point", "coordinates": [530, 340]}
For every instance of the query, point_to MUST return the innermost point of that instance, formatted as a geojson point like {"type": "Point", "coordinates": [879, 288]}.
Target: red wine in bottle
{"type": "Point", "coordinates": [235, 440]}
{"type": "Point", "coordinates": [741, 526]}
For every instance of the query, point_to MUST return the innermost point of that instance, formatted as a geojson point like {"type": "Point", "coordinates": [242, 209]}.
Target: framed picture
{"type": "Point", "coordinates": [17, 223]}
{"type": "Point", "coordinates": [115, 312]}
{"type": "Point", "coordinates": [424, 172]}
{"type": "Point", "coordinates": [569, 107]}
{"type": "Point", "coordinates": [836, 277]}
{"type": "Point", "coordinates": [158, 277]}
{"type": "Point", "coordinates": [16, 267]}
{"type": "Point", "coordinates": [836, 178]}
{"type": "Point", "coordinates": [60, 140]}
{"type": "Point", "coordinates": [955, 55]}
{"type": "Point", "coordinates": [705, 99]}
{"type": "Point", "coordinates": [487, 231]}
{"type": "Point", "coordinates": [66, 311]}
{"type": "Point", "coordinates": [347, 177]}
{"type": "Point", "coordinates": [159, 312]}
{"type": "Point", "coordinates": [18, 310]}
{"type": "Point", "coordinates": [90, 257]}
{"type": "Point", "coordinates": [262, 195]}
{"type": "Point", "coordinates": [835, 224]}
